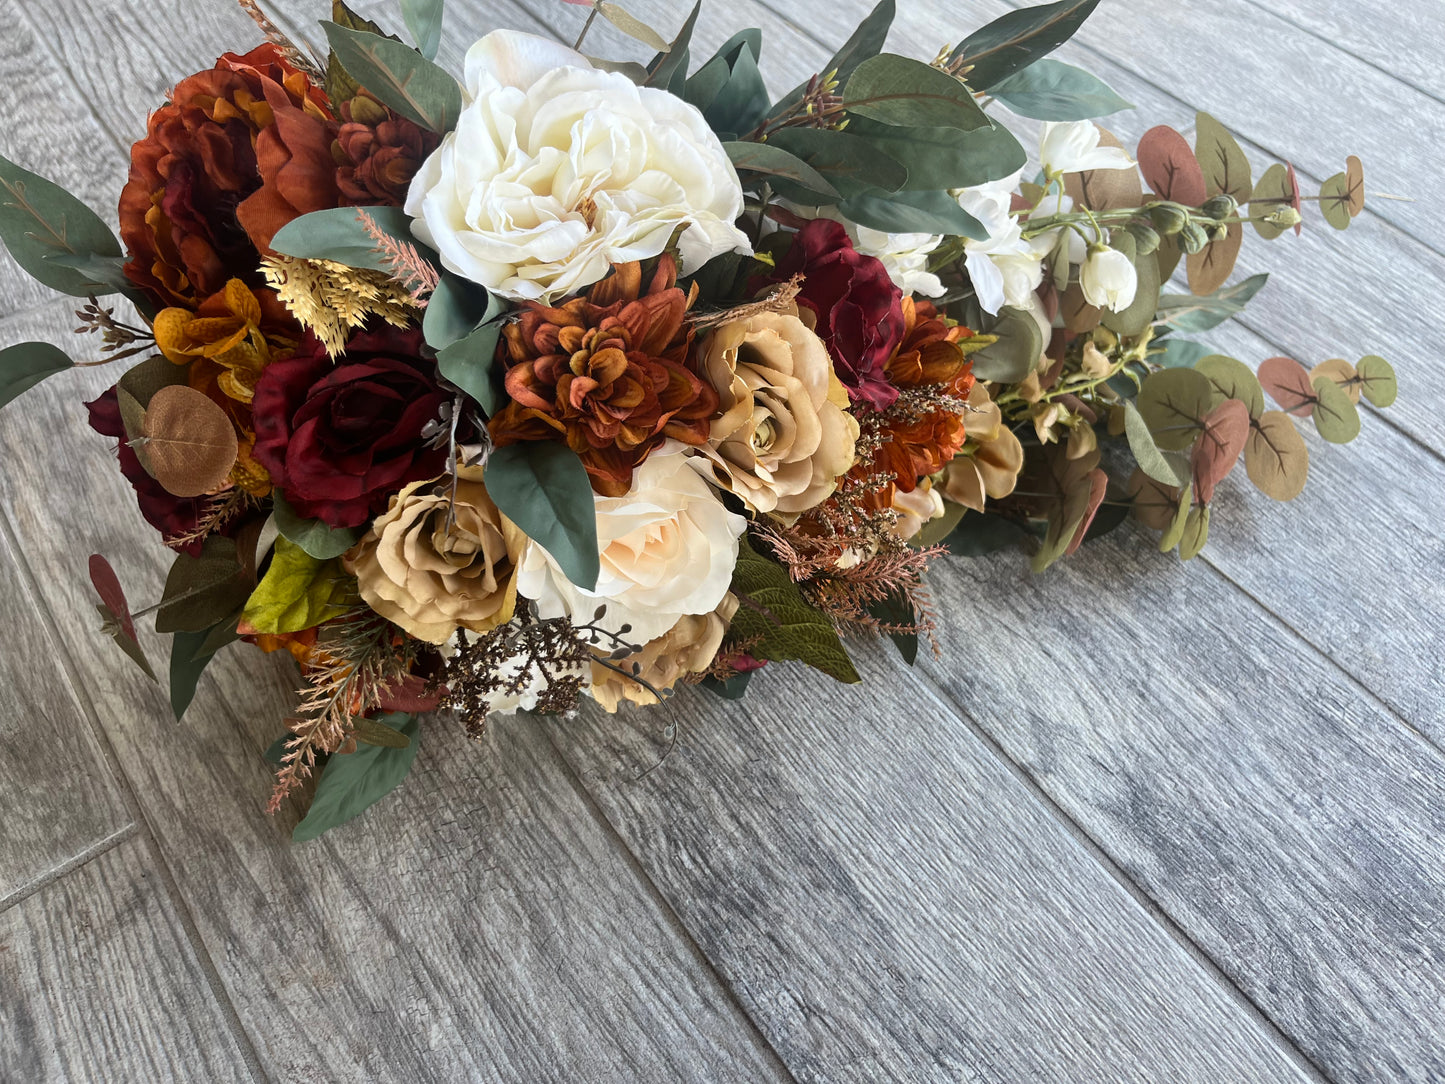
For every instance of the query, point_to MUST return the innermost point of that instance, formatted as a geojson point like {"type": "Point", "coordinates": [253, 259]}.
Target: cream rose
{"type": "Point", "coordinates": [557, 170]}
{"type": "Point", "coordinates": [689, 647]}
{"type": "Point", "coordinates": [783, 434]}
{"type": "Point", "coordinates": [430, 580]}
{"type": "Point", "coordinates": [668, 547]}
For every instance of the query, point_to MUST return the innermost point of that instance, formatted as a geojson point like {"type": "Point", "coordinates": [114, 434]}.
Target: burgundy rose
{"type": "Point", "coordinates": [171, 515]}
{"type": "Point", "coordinates": [858, 309]}
{"type": "Point", "coordinates": [340, 438]}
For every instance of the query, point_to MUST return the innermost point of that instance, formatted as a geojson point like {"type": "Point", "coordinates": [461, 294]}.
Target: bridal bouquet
{"type": "Point", "coordinates": [583, 378]}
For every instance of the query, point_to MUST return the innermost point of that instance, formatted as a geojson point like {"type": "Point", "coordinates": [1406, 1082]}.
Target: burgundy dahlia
{"type": "Point", "coordinates": [339, 438]}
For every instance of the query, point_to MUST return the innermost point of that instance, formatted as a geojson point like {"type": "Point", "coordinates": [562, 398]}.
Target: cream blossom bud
{"type": "Point", "coordinates": [1108, 278]}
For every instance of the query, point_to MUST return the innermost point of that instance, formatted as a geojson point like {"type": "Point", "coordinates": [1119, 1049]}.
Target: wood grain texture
{"type": "Point", "coordinates": [98, 983]}
{"type": "Point", "coordinates": [57, 798]}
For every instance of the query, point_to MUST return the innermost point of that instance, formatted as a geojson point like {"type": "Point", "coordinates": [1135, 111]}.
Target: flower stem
{"type": "Point", "coordinates": [591, 16]}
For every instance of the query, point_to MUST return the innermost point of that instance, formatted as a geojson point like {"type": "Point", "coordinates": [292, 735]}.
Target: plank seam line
{"type": "Point", "coordinates": [1151, 907]}
{"type": "Point", "coordinates": [670, 916]}
{"type": "Point", "coordinates": [141, 822]}
{"type": "Point", "coordinates": [1282, 17]}
{"type": "Point", "coordinates": [69, 866]}
{"type": "Point", "coordinates": [1383, 704]}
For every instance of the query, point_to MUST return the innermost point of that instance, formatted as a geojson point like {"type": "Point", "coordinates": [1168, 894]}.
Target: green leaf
{"type": "Point", "coordinates": [339, 86]}
{"type": "Point", "coordinates": [1015, 40]}
{"type": "Point", "coordinates": [1175, 531]}
{"type": "Point", "coordinates": [670, 68]}
{"type": "Point", "coordinates": [1377, 380]}
{"type": "Point", "coordinates": [315, 538]}
{"type": "Point", "coordinates": [867, 41]}
{"type": "Point", "coordinates": [1195, 533]}
{"type": "Point", "coordinates": [1151, 460]}
{"type": "Point", "coordinates": [772, 612]}
{"type": "Point", "coordinates": [1016, 354]}
{"type": "Point", "coordinates": [204, 589]}
{"type": "Point", "coordinates": [297, 593]}
{"type": "Point", "coordinates": [1226, 169]}
{"type": "Point", "coordinates": [1179, 353]}
{"type": "Point", "coordinates": [913, 212]}
{"type": "Point", "coordinates": [542, 487]}
{"type": "Point", "coordinates": [457, 308]}
{"type": "Point", "coordinates": [105, 275]}
{"type": "Point", "coordinates": [1173, 402]}
{"type": "Point", "coordinates": [897, 610]}
{"type": "Point", "coordinates": [1233, 379]}
{"type": "Point", "coordinates": [399, 77]}
{"type": "Point", "coordinates": [39, 219]}
{"type": "Point", "coordinates": [981, 533]}
{"type": "Point", "coordinates": [353, 782]}
{"type": "Point", "coordinates": [1188, 312]}
{"type": "Point", "coordinates": [851, 164]}
{"type": "Point", "coordinates": [937, 158]}
{"type": "Point", "coordinates": [702, 89]}
{"type": "Point", "coordinates": [471, 364]}
{"type": "Point", "coordinates": [1335, 201]}
{"type": "Point", "coordinates": [895, 90]}
{"type": "Point", "coordinates": [1335, 416]}
{"type": "Point", "coordinates": [133, 651]}
{"type": "Point", "coordinates": [26, 364]}
{"type": "Point", "coordinates": [374, 732]}
{"type": "Point", "coordinates": [190, 655]}
{"type": "Point", "coordinates": [276, 751]}
{"type": "Point", "coordinates": [338, 233]}
{"type": "Point", "coordinates": [1053, 90]}
{"type": "Point", "coordinates": [424, 22]}
{"type": "Point", "coordinates": [731, 689]}
{"type": "Point", "coordinates": [937, 530]}
{"type": "Point", "coordinates": [772, 161]}
{"type": "Point", "coordinates": [1276, 188]}
{"type": "Point", "coordinates": [742, 102]}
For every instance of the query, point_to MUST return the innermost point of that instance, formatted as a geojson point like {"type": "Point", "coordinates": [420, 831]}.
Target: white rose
{"type": "Point", "coordinates": [557, 170]}
{"type": "Point", "coordinates": [1108, 278]}
{"type": "Point", "coordinates": [669, 546]}
{"type": "Point", "coordinates": [1073, 147]}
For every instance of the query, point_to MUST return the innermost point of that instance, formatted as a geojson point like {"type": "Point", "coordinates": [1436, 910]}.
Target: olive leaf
{"type": "Point", "coordinates": [399, 77]}
{"type": "Point", "coordinates": [772, 161]}
{"type": "Point", "coordinates": [1233, 379]}
{"type": "Point", "coordinates": [1189, 313]}
{"type": "Point", "coordinates": [26, 364]}
{"type": "Point", "coordinates": [893, 89]}
{"type": "Point", "coordinates": [1276, 457]}
{"type": "Point", "coordinates": [1151, 460]}
{"type": "Point", "coordinates": [1377, 380]}
{"type": "Point", "coordinates": [1017, 39]}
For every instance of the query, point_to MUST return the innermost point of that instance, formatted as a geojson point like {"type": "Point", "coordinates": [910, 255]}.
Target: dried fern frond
{"type": "Point", "coordinates": [221, 509]}
{"type": "Point", "coordinates": [294, 56]}
{"type": "Point", "coordinates": [780, 300]}
{"type": "Point", "coordinates": [408, 266]}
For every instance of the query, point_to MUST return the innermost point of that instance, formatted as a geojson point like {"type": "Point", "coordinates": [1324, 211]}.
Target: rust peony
{"type": "Point", "coordinates": [340, 438]}
{"type": "Point", "coordinates": [607, 372]}
{"type": "Point", "coordinates": [857, 309]}
{"type": "Point", "coordinates": [378, 153]}
{"type": "Point", "coordinates": [236, 153]}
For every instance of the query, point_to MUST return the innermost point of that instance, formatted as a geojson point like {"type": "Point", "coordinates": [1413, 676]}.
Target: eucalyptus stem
{"type": "Point", "coordinates": [591, 16]}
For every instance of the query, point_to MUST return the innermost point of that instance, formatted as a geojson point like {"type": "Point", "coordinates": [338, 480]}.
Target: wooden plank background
{"type": "Point", "coordinates": [1143, 821]}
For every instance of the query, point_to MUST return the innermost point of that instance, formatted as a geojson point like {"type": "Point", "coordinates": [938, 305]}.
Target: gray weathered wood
{"type": "Point", "coordinates": [98, 983]}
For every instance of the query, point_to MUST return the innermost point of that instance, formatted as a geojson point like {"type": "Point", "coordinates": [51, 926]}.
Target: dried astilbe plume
{"type": "Point", "coordinates": [334, 300]}
{"type": "Point", "coordinates": [407, 266]}
{"type": "Point", "coordinates": [221, 509]}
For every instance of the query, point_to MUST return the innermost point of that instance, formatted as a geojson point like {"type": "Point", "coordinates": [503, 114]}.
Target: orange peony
{"type": "Point", "coordinates": [608, 373]}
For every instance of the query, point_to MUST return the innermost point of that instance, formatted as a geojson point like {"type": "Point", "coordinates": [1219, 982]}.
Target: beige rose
{"type": "Point", "coordinates": [783, 434]}
{"type": "Point", "coordinates": [993, 468]}
{"type": "Point", "coordinates": [431, 581]}
{"type": "Point", "coordinates": [687, 648]}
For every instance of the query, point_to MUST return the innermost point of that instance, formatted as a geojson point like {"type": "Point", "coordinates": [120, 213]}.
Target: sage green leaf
{"type": "Point", "coordinates": [1335, 416]}
{"type": "Point", "coordinates": [339, 86]}
{"type": "Point", "coordinates": [1053, 90]}
{"type": "Point", "coordinates": [26, 364]}
{"type": "Point", "coordinates": [471, 364]}
{"type": "Point", "coordinates": [866, 41]}
{"type": "Point", "coordinates": [669, 70]}
{"type": "Point", "coordinates": [1377, 380]}
{"type": "Point", "coordinates": [315, 538]}
{"type": "Point", "coordinates": [353, 782]}
{"type": "Point", "coordinates": [204, 589]}
{"type": "Point", "coordinates": [702, 89]}
{"type": "Point", "coordinates": [1174, 402]}
{"type": "Point", "coordinates": [1151, 460]}
{"type": "Point", "coordinates": [542, 487]}
{"type": "Point", "coordinates": [1189, 313]}
{"type": "Point", "coordinates": [1195, 532]}
{"type": "Point", "coordinates": [772, 161]}
{"type": "Point", "coordinates": [1015, 40]}
{"type": "Point", "coordinates": [1276, 457]}
{"type": "Point", "coordinates": [851, 164]}
{"type": "Point", "coordinates": [743, 100]}
{"type": "Point", "coordinates": [457, 308]}
{"type": "Point", "coordinates": [102, 275]}
{"type": "Point", "coordinates": [399, 77]}
{"type": "Point", "coordinates": [1179, 353]}
{"type": "Point", "coordinates": [913, 212]}
{"type": "Point", "coordinates": [190, 655]}
{"type": "Point", "coordinates": [339, 234]}
{"type": "Point", "coordinates": [1233, 379]}
{"type": "Point", "coordinates": [899, 90]}
{"type": "Point", "coordinates": [424, 22]}
{"type": "Point", "coordinates": [1175, 531]}
{"type": "Point", "coordinates": [1276, 188]}
{"type": "Point", "coordinates": [937, 158]}
{"type": "Point", "coordinates": [1226, 169]}
{"type": "Point", "coordinates": [772, 613]}
{"type": "Point", "coordinates": [1335, 201]}
{"type": "Point", "coordinates": [298, 592]}
{"type": "Point", "coordinates": [39, 219]}
{"type": "Point", "coordinates": [1017, 351]}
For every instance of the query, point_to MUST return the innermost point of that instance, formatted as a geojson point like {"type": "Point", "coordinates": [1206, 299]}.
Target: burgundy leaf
{"type": "Point", "coordinates": [1288, 384]}
{"type": "Point", "coordinates": [1226, 428]}
{"type": "Point", "coordinates": [107, 586]}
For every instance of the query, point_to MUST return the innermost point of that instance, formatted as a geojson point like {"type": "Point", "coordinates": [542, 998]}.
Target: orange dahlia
{"type": "Point", "coordinates": [607, 372]}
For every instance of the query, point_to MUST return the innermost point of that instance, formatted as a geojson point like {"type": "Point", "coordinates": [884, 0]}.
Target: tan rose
{"type": "Point", "coordinates": [431, 581]}
{"type": "Point", "coordinates": [687, 648]}
{"type": "Point", "coordinates": [783, 434]}
{"type": "Point", "coordinates": [992, 470]}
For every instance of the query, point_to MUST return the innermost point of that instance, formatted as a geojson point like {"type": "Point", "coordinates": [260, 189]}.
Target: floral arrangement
{"type": "Point", "coordinates": [590, 379]}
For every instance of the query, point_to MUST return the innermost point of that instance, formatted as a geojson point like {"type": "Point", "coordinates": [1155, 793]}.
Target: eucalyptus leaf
{"type": "Point", "coordinates": [1151, 460]}
{"type": "Point", "coordinates": [1190, 313]}
{"type": "Point", "coordinates": [456, 308]}
{"type": "Point", "coordinates": [1017, 39]}
{"type": "Point", "coordinates": [772, 161]}
{"type": "Point", "coordinates": [1195, 533]}
{"type": "Point", "coordinates": [1377, 380]}
{"type": "Point", "coordinates": [913, 212]}
{"type": "Point", "coordinates": [1053, 90]}
{"type": "Point", "coordinates": [1335, 416]}
{"type": "Point", "coordinates": [1225, 166]}
{"type": "Point", "coordinates": [1179, 353]}
{"type": "Point", "coordinates": [133, 651]}
{"type": "Point", "coordinates": [471, 364]}
{"type": "Point", "coordinates": [1335, 201]}
{"type": "Point", "coordinates": [39, 219]}
{"type": "Point", "coordinates": [1017, 351]}
{"type": "Point", "coordinates": [938, 158]}
{"type": "Point", "coordinates": [340, 235]}
{"type": "Point", "coordinates": [631, 25]}
{"type": "Point", "coordinates": [353, 782]}
{"type": "Point", "coordinates": [866, 41]}
{"type": "Point", "coordinates": [203, 589]}
{"type": "Point", "coordinates": [1174, 402]}
{"type": "Point", "coordinates": [26, 364]}
{"type": "Point", "coordinates": [424, 21]}
{"type": "Point", "coordinates": [669, 70]}
{"type": "Point", "coordinates": [316, 539]}
{"type": "Point", "coordinates": [1233, 379]}
{"type": "Point", "coordinates": [742, 102]}
{"type": "Point", "coordinates": [898, 90]}
{"type": "Point", "coordinates": [1276, 457]}
{"type": "Point", "coordinates": [851, 164]}
{"type": "Point", "coordinates": [542, 487]}
{"type": "Point", "coordinates": [399, 77]}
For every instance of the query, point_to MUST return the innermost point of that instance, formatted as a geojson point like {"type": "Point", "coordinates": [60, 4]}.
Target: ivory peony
{"type": "Point", "coordinates": [557, 170]}
{"type": "Point", "coordinates": [669, 546]}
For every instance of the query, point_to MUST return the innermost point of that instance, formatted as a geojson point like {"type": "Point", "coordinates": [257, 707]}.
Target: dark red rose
{"type": "Point", "coordinates": [172, 516]}
{"type": "Point", "coordinates": [858, 309]}
{"type": "Point", "coordinates": [339, 438]}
